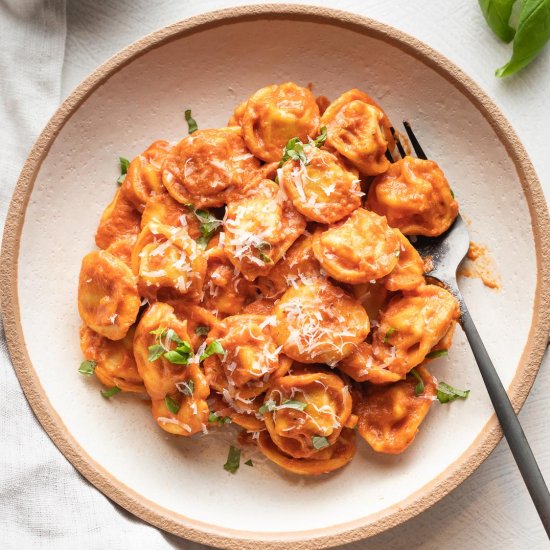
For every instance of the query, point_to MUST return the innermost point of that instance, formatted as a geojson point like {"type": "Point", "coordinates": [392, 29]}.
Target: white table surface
{"type": "Point", "coordinates": [491, 509]}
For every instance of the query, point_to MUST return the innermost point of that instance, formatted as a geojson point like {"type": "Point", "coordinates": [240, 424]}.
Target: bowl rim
{"type": "Point", "coordinates": [328, 536]}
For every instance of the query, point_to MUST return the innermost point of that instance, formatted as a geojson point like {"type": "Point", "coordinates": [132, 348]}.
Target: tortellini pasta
{"type": "Point", "coordinates": [415, 197]}
{"type": "Point", "coordinates": [241, 270]}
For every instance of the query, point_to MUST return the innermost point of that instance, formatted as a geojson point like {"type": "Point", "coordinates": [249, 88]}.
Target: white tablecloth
{"type": "Point", "coordinates": [46, 48]}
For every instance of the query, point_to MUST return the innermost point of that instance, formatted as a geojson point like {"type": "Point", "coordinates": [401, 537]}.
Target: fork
{"type": "Point", "coordinates": [446, 252]}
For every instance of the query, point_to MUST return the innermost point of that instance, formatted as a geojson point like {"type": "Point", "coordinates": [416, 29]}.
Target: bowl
{"type": "Point", "coordinates": [211, 63]}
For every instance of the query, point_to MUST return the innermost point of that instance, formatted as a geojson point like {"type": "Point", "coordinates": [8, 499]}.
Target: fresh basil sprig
{"type": "Point", "coordinates": [497, 13]}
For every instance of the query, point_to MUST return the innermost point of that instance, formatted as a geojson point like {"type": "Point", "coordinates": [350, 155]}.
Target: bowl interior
{"type": "Point", "coordinates": [211, 72]}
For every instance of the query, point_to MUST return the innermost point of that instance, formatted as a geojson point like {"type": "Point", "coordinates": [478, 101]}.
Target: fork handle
{"type": "Point", "coordinates": [509, 422]}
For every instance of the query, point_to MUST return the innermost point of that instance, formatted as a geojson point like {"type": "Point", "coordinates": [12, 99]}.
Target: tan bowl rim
{"type": "Point", "coordinates": [335, 534]}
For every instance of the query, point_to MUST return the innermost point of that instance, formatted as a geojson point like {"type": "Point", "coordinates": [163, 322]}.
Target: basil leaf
{"type": "Point", "coordinates": [249, 462]}
{"type": "Point", "coordinates": [213, 348]}
{"type": "Point", "coordinates": [531, 35]}
{"type": "Point", "coordinates": [171, 335]}
{"type": "Point", "coordinates": [215, 419]}
{"type": "Point", "coordinates": [497, 14]}
{"type": "Point", "coordinates": [446, 393]}
{"type": "Point", "coordinates": [437, 353]}
{"type": "Point", "coordinates": [178, 356]}
{"type": "Point", "coordinates": [294, 150]}
{"type": "Point", "coordinates": [233, 460]}
{"type": "Point", "coordinates": [161, 331]}
{"type": "Point", "coordinates": [87, 367]}
{"type": "Point", "coordinates": [388, 334]}
{"type": "Point", "coordinates": [191, 122]}
{"type": "Point", "coordinates": [202, 331]}
{"type": "Point", "coordinates": [292, 404]}
{"type": "Point", "coordinates": [321, 138]}
{"type": "Point", "coordinates": [172, 405]}
{"type": "Point", "coordinates": [110, 392]}
{"type": "Point", "coordinates": [155, 351]}
{"type": "Point", "coordinates": [209, 225]}
{"type": "Point", "coordinates": [268, 406]}
{"type": "Point", "coordinates": [319, 442]}
{"type": "Point", "coordinates": [124, 163]}
{"type": "Point", "coordinates": [419, 388]}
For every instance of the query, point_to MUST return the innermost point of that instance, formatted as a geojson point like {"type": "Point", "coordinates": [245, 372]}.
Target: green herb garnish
{"type": "Point", "coordinates": [292, 404]}
{"type": "Point", "coordinates": [202, 331]}
{"type": "Point", "coordinates": [172, 405]}
{"type": "Point", "coordinates": [321, 138]}
{"type": "Point", "coordinates": [213, 418]}
{"type": "Point", "coordinates": [87, 367]}
{"type": "Point", "coordinates": [268, 406]}
{"type": "Point", "coordinates": [208, 225]}
{"type": "Point", "coordinates": [233, 460]}
{"type": "Point", "coordinates": [446, 393]}
{"type": "Point", "coordinates": [319, 442]}
{"type": "Point", "coordinates": [191, 122]}
{"type": "Point", "coordinates": [213, 348]}
{"type": "Point", "coordinates": [110, 392]}
{"type": "Point", "coordinates": [155, 352]}
{"type": "Point", "coordinates": [249, 462]}
{"type": "Point", "coordinates": [124, 163]}
{"type": "Point", "coordinates": [294, 150]}
{"type": "Point", "coordinates": [497, 13]}
{"type": "Point", "coordinates": [419, 388]}
{"type": "Point", "coordinates": [437, 353]}
{"type": "Point", "coordinates": [179, 356]}
{"type": "Point", "coordinates": [388, 334]}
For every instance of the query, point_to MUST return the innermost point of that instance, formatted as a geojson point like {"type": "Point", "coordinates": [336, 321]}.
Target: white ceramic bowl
{"type": "Point", "coordinates": [211, 63]}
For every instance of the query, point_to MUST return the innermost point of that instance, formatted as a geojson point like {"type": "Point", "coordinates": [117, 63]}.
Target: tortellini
{"type": "Point", "coordinates": [389, 416]}
{"type": "Point", "coordinates": [242, 269]}
{"type": "Point", "coordinates": [274, 115]}
{"type": "Point", "coordinates": [319, 323]}
{"type": "Point", "coordinates": [415, 197]}
{"type": "Point", "coordinates": [259, 229]}
{"type": "Point", "coordinates": [205, 167]}
{"type": "Point", "coordinates": [251, 357]}
{"type": "Point", "coordinates": [362, 249]}
{"type": "Point", "coordinates": [108, 299]}
{"type": "Point", "coordinates": [359, 130]}
{"type": "Point", "coordinates": [325, 190]}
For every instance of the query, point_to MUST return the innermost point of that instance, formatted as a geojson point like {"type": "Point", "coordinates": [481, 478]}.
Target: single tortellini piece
{"type": "Point", "coordinates": [144, 176]}
{"type": "Point", "coordinates": [408, 273]}
{"type": "Point", "coordinates": [206, 166]}
{"type": "Point", "coordinates": [389, 416]}
{"type": "Point", "coordinates": [326, 189]}
{"type": "Point", "coordinates": [362, 366]}
{"type": "Point", "coordinates": [306, 412]}
{"type": "Point", "coordinates": [411, 325]}
{"type": "Point", "coordinates": [108, 299]}
{"type": "Point", "coordinates": [274, 115]}
{"type": "Point", "coordinates": [299, 266]}
{"type": "Point", "coordinates": [119, 221]}
{"type": "Point", "coordinates": [169, 264]}
{"type": "Point", "coordinates": [415, 197]}
{"type": "Point", "coordinates": [225, 291]}
{"type": "Point", "coordinates": [163, 209]}
{"type": "Point", "coordinates": [259, 228]}
{"type": "Point", "coordinates": [326, 460]}
{"type": "Point", "coordinates": [360, 250]}
{"type": "Point", "coordinates": [359, 130]}
{"type": "Point", "coordinates": [319, 323]}
{"type": "Point", "coordinates": [115, 363]}
{"type": "Point", "coordinates": [251, 357]}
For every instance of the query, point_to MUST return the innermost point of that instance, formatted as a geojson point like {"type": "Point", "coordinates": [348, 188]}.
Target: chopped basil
{"type": "Point", "coordinates": [213, 348]}
{"type": "Point", "coordinates": [292, 404]}
{"type": "Point", "coordinates": [110, 392]}
{"type": "Point", "coordinates": [268, 406]}
{"type": "Point", "coordinates": [437, 353]}
{"type": "Point", "coordinates": [161, 331]}
{"type": "Point", "coordinates": [233, 460]}
{"type": "Point", "coordinates": [260, 247]}
{"type": "Point", "coordinates": [187, 388]}
{"type": "Point", "coordinates": [202, 331]}
{"type": "Point", "coordinates": [321, 138]}
{"type": "Point", "coordinates": [179, 356]}
{"type": "Point", "coordinates": [213, 418]}
{"type": "Point", "coordinates": [124, 163]}
{"type": "Point", "coordinates": [452, 193]}
{"type": "Point", "coordinates": [87, 367]}
{"type": "Point", "coordinates": [294, 150]}
{"type": "Point", "coordinates": [155, 352]}
{"type": "Point", "coordinates": [419, 388]}
{"type": "Point", "coordinates": [388, 334]}
{"type": "Point", "coordinates": [191, 122]}
{"type": "Point", "coordinates": [249, 462]}
{"type": "Point", "coordinates": [319, 442]}
{"type": "Point", "coordinates": [446, 393]}
{"type": "Point", "coordinates": [209, 225]}
{"type": "Point", "coordinates": [172, 405]}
